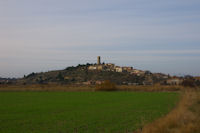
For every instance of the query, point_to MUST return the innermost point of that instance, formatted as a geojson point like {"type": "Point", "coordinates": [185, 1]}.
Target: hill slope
{"type": "Point", "coordinates": [80, 74]}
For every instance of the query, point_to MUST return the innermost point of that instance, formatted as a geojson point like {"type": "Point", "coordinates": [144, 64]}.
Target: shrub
{"type": "Point", "coordinates": [30, 75]}
{"type": "Point", "coordinates": [106, 86]}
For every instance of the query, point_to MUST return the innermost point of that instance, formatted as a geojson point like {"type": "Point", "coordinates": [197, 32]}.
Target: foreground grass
{"type": "Point", "coordinates": [63, 112]}
{"type": "Point", "coordinates": [185, 118]}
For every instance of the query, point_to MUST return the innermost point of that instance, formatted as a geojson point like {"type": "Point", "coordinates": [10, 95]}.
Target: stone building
{"type": "Point", "coordinates": [118, 69]}
{"type": "Point", "coordinates": [174, 81]}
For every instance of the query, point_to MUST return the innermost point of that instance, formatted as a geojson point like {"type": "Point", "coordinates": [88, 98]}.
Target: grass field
{"type": "Point", "coordinates": [63, 112]}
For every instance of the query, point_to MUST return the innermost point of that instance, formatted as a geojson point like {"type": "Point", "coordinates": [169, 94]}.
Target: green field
{"type": "Point", "coordinates": [64, 112]}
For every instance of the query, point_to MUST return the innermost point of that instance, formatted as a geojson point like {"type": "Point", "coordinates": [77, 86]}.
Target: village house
{"type": "Point", "coordinates": [137, 72]}
{"type": "Point", "coordinates": [118, 69]}
{"type": "Point", "coordinates": [174, 81]}
{"type": "Point", "coordinates": [90, 82]}
{"type": "Point", "coordinates": [100, 67]}
{"type": "Point", "coordinates": [92, 68]}
{"type": "Point", "coordinates": [127, 69]}
{"type": "Point", "coordinates": [98, 82]}
{"type": "Point", "coordinates": [161, 76]}
{"type": "Point", "coordinates": [110, 65]}
{"type": "Point", "coordinates": [96, 67]}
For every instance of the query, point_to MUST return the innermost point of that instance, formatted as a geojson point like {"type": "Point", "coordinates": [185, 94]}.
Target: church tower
{"type": "Point", "coordinates": [98, 60]}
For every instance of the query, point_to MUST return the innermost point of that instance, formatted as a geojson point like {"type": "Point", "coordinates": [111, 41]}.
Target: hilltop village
{"type": "Point", "coordinates": [92, 74]}
{"type": "Point", "coordinates": [112, 67]}
{"type": "Point", "coordinates": [149, 78]}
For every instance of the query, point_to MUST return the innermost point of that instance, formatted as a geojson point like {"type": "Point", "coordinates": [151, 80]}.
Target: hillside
{"type": "Point", "coordinates": [81, 75]}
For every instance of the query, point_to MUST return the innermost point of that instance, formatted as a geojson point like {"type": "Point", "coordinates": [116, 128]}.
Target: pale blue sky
{"type": "Point", "coordinates": [157, 35]}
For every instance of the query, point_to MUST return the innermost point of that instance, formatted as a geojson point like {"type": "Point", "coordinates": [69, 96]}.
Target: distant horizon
{"type": "Point", "coordinates": [40, 35]}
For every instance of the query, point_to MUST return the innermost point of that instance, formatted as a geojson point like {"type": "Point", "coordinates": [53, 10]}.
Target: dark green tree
{"type": "Point", "coordinates": [60, 77]}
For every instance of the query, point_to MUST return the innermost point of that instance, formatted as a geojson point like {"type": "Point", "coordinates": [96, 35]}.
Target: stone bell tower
{"type": "Point", "coordinates": [98, 60]}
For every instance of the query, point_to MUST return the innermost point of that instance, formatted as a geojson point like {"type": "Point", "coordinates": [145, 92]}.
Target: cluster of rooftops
{"type": "Point", "coordinates": [112, 67]}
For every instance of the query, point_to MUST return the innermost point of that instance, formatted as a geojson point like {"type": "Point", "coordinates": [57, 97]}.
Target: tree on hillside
{"type": "Point", "coordinates": [188, 83]}
{"type": "Point", "coordinates": [60, 77]}
{"type": "Point", "coordinates": [30, 75]}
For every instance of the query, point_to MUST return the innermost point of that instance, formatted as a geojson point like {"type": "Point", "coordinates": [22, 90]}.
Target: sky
{"type": "Point", "coordinates": [43, 35]}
